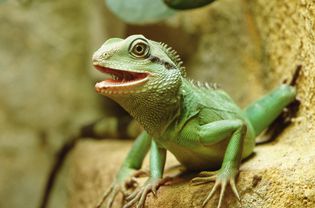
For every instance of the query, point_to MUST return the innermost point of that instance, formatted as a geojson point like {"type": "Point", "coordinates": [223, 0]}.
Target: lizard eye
{"type": "Point", "coordinates": [139, 48]}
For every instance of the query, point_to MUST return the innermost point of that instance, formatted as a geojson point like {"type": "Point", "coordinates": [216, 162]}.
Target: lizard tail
{"type": "Point", "coordinates": [268, 110]}
{"type": "Point", "coordinates": [265, 110]}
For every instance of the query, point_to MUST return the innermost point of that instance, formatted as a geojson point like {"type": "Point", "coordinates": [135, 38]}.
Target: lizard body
{"type": "Point", "coordinates": [201, 125]}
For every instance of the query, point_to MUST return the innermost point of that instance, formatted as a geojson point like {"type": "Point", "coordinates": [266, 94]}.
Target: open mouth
{"type": "Point", "coordinates": [119, 79]}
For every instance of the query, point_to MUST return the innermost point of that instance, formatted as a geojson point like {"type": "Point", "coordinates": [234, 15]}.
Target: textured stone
{"type": "Point", "coordinates": [280, 174]}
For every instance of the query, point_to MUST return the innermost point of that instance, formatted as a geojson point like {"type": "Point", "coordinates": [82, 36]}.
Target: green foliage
{"type": "Point", "coordinates": [187, 4]}
{"type": "Point", "coordinates": [140, 11]}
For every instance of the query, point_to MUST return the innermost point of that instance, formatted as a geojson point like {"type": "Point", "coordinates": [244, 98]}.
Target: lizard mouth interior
{"type": "Point", "coordinates": [119, 78]}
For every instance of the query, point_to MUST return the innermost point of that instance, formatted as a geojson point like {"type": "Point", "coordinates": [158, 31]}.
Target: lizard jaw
{"type": "Point", "coordinates": [120, 81]}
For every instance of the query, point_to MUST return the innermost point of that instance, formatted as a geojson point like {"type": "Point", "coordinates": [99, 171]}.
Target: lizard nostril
{"type": "Point", "coordinates": [105, 55]}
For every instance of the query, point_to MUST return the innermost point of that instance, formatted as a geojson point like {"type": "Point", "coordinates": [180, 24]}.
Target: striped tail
{"type": "Point", "coordinates": [265, 110]}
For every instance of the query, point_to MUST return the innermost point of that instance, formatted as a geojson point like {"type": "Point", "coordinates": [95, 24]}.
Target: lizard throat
{"type": "Point", "coordinates": [120, 79]}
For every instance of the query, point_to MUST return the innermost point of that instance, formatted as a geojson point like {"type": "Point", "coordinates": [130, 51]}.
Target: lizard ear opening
{"type": "Point", "coordinates": [139, 48]}
{"type": "Point", "coordinates": [173, 55]}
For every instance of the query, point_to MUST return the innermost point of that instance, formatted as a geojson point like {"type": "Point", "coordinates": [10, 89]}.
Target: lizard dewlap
{"type": "Point", "coordinates": [200, 124]}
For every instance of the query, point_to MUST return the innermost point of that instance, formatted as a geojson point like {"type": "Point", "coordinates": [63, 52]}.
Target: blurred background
{"type": "Point", "coordinates": [47, 81]}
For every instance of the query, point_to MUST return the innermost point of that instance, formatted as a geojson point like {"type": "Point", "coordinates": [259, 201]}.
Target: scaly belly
{"type": "Point", "coordinates": [200, 157]}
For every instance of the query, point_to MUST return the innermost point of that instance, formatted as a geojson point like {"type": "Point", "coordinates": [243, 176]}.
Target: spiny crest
{"type": "Point", "coordinates": [205, 85]}
{"type": "Point", "coordinates": [174, 56]}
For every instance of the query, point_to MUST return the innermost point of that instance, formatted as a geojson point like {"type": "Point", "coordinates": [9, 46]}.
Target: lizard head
{"type": "Point", "coordinates": [146, 78]}
{"type": "Point", "coordinates": [136, 65]}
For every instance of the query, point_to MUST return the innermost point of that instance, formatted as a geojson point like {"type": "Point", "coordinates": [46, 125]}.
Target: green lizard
{"type": "Point", "coordinates": [200, 125]}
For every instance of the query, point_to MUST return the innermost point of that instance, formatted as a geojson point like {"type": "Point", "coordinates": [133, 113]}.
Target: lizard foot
{"type": "Point", "coordinates": [151, 185]}
{"type": "Point", "coordinates": [126, 180]}
{"type": "Point", "coordinates": [221, 178]}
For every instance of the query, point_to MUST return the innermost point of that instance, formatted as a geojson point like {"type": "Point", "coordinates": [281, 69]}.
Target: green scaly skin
{"type": "Point", "coordinates": [200, 125]}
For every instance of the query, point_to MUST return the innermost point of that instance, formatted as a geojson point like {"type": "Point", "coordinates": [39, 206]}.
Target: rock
{"type": "Point", "coordinates": [280, 174]}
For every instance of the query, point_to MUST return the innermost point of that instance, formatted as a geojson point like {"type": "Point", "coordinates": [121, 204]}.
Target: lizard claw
{"type": "Point", "coordinates": [222, 179]}
{"type": "Point", "coordinates": [234, 189]}
{"type": "Point", "coordinates": [215, 187]}
{"type": "Point", "coordinates": [109, 194]}
{"type": "Point", "coordinates": [126, 181]}
{"type": "Point", "coordinates": [139, 196]}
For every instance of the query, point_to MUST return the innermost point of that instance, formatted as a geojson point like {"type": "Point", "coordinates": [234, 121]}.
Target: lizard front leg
{"type": "Point", "coordinates": [215, 132]}
{"type": "Point", "coordinates": [131, 164]}
{"type": "Point", "coordinates": [157, 163]}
